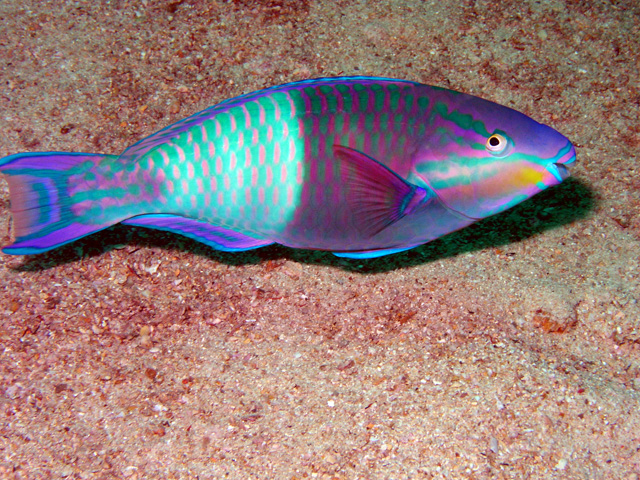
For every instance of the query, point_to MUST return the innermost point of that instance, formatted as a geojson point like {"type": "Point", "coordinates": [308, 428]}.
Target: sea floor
{"type": "Point", "coordinates": [510, 349]}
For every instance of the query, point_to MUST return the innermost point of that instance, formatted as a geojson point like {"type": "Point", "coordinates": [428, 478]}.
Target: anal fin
{"type": "Point", "coordinates": [372, 253]}
{"type": "Point", "coordinates": [216, 237]}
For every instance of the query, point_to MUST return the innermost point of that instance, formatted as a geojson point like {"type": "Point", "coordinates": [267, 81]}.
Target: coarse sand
{"type": "Point", "coordinates": [508, 350]}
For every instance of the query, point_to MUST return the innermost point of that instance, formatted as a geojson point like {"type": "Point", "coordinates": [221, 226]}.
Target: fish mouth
{"type": "Point", "coordinates": [560, 171]}
{"type": "Point", "coordinates": [566, 158]}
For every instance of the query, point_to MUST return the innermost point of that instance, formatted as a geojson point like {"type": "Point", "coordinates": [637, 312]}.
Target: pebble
{"type": "Point", "coordinates": [493, 444]}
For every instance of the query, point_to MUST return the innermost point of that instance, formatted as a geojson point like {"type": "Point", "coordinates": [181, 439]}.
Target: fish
{"type": "Point", "coordinates": [358, 166]}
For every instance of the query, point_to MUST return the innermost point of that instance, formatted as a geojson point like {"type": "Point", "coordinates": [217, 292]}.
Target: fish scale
{"type": "Point", "coordinates": [360, 166]}
{"type": "Point", "coordinates": [275, 156]}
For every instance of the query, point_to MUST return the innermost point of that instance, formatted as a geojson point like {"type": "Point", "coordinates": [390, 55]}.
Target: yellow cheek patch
{"type": "Point", "coordinates": [528, 176]}
{"type": "Point", "coordinates": [513, 180]}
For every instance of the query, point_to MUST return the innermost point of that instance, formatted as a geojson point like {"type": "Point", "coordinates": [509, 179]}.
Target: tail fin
{"type": "Point", "coordinates": [42, 210]}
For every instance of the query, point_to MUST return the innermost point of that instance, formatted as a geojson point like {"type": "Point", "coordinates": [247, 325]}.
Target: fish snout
{"type": "Point", "coordinates": [560, 171]}
{"type": "Point", "coordinates": [561, 167]}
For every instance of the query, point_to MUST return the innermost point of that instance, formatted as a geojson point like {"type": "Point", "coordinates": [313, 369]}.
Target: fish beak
{"type": "Point", "coordinates": [559, 170]}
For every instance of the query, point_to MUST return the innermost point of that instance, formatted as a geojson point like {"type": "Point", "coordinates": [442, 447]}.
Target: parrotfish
{"type": "Point", "coordinates": [359, 166]}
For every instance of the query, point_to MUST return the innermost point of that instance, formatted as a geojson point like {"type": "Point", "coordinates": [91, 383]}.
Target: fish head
{"type": "Point", "coordinates": [482, 158]}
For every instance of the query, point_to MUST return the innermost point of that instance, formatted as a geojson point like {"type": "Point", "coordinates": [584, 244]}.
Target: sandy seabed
{"type": "Point", "coordinates": [510, 349]}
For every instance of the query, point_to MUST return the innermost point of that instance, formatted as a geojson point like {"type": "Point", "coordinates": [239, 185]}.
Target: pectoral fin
{"type": "Point", "coordinates": [377, 195]}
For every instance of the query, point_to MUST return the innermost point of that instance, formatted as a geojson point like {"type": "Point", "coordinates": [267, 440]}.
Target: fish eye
{"type": "Point", "coordinates": [497, 143]}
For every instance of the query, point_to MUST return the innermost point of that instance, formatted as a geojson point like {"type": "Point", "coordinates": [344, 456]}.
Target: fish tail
{"type": "Point", "coordinates": [45, 215]}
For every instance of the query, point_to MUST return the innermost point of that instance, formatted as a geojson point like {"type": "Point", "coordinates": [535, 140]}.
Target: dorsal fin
{"type": "Point", "coordinates": [175, 129]}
